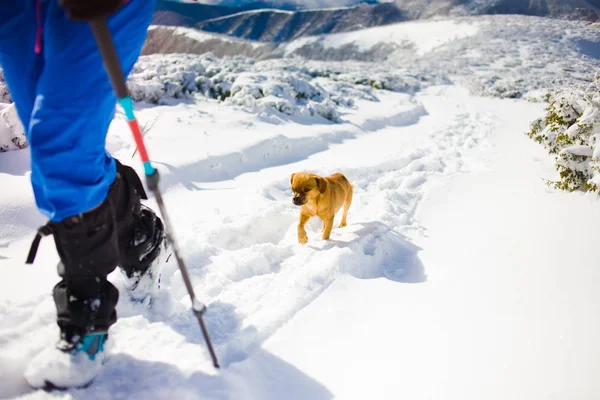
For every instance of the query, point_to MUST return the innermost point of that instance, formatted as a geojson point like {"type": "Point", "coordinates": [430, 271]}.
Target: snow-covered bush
{"type": "Point", "coordinates": [554, 130]}
{"type": "Point", "coordinates": [4, 94]}
{"type": "Point", "coordinates": [290, 94]}
{"type": "Point", "coordinates": [157, 78]}
{"type": "Point", "coordinates": [273, 85]}
{"type": "Point", "coordinates": [573, 166]}
{"type": "Point", "coordinates": [12, 134]}
{"type": "Point", "coordinates": [396, 82]}
{"type": "Point", "coordinates": [571, 130]}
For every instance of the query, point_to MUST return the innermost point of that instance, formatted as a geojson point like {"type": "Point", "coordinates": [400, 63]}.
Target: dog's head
{"type": "Point", "coordinates": [306, 187]}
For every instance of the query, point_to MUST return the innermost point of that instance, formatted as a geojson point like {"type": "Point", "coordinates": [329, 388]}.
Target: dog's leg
{"type": "Point", "coordinates": [302, 237]}
{"type": "Point", "coordinates": [327, 226]}
{"type": "Point", "coordinates": [347, 203]}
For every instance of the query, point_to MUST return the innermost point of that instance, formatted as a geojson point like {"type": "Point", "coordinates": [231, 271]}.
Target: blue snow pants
{"type": "Point", "coordinates": [64, 98]}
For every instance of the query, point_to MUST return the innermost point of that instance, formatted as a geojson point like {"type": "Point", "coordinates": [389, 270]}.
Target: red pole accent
{"type": "Point", "coordinates": [139, 141]}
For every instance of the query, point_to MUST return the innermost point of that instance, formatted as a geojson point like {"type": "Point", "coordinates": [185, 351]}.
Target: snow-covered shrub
{"type": "Point", "coordinates": [154, 78]}
{"type": "Point", "coordinates": [12, 133]}
{"type": "Point", "coordinates": [4, 94]}
{"type": "Point", "coordinates": [274, 85]}
{"type": "Point", "coordinates": [503, 87]}
{"type": "Point", "coordinates": [573, 166]}
{"type": "Point", "coordinates": [562, 113]}
{"type": "Point", "coordinates": [571, 130]}
{"type": "Point", "coordinates": [396, 82]}
{"type": "Point", "coordinates": [284, 92]}
{"type": "Point", "coordinates": [593, 184]}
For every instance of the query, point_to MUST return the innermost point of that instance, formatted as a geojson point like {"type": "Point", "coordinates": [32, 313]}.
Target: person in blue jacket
{"type": "Point", "coordinates": [65, 101]}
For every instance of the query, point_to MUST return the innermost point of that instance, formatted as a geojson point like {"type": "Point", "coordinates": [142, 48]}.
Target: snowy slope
{"type": "Point", "coordinates": [497, 55]}
{"type": "Point", "coordinates": [423, 37]}
{"type": "Point", "coordinates": [371, 281]}
{"type": "Point", "coordinates": [508, 307]}
{"type": "Point", "coordinates": [505, 56]}
{"type": "Point", "coordinates": [163, 39]}
{"type": "Point", "coordinates": [450, 281]}
{"type": "Point", "coordinates": [237, 246]}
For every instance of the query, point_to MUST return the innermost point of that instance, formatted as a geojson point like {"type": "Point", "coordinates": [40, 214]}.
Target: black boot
{"type": "Point", "coordinates": [142, 238]}
{"type": "Point", "coordinates": [85, 300]}
{"type": "Point", "coordinates": [120, 231]}
{"type": "Point", "coordinates": [87, 245]}
{"type": "Point", "coordinates": [91, 245]}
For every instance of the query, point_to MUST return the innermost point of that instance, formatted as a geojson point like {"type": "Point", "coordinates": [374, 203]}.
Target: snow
{"type": "Point", "coordinates": [508, 307]}
{"type": "Point", "coordinates": [423, 36]}
{"type": "Point", "coordinates": [460, 275]}
{"type": "Point", "coordinates": [198, 306]}
{"type": "Point", "coordinates": [64, 372]}
{"type": "Point", "coordinates": [584, 151]}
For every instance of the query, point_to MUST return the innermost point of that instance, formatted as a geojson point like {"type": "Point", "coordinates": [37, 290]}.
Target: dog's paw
{"type": "Point", "coordinates": [343, 224]}
{"type": "Point", "coordinates": [302, 239]}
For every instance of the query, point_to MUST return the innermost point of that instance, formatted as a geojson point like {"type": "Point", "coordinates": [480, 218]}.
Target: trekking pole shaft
{"type": "Point", "coordinates": [115, 73]}
{"type": "Point", "coordinates": [117, 78]}
{"type": "Point", "coordinates": [109, 52]}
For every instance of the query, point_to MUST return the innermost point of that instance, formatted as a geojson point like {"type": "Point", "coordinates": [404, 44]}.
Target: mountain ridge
{"type": "Point", "coordinates": [261, 22]}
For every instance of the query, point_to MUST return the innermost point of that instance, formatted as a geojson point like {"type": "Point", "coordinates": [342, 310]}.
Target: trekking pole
{"type": "Point", "coordinates": [113, 67]}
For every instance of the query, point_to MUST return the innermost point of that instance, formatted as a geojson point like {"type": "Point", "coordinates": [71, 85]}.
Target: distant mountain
{"type": "Point", "coordinates": [189, 13]}
{"type": "Point", "coordinates": [175, 13]}
{"type": "Point", "coordinates": [259, 21]}
{"type": "Point", "coordinates": [282, 26]}
{"type": "Point", "coordinates": [283, 4]}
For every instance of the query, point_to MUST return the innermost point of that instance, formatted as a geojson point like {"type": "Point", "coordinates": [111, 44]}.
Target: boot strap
{"type": "Point", "coordinates": [42, 232]}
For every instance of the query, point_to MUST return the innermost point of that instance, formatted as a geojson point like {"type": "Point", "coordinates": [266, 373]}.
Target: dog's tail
{"type": "Point", "coordinates": [342, 176]}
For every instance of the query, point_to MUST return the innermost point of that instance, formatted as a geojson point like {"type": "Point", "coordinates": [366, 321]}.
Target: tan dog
{"type": "Point", "coordinates": [322, 197]}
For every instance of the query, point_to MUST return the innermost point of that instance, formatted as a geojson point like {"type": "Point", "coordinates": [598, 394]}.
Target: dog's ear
{"type": "Point", "coordinates": [321, 184]}
{"type": "Point", "coordinates": [292, 179]}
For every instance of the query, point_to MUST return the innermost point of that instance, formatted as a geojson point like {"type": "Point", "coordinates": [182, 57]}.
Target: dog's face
{"type": "Point", "coordinates": [306, 187]}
